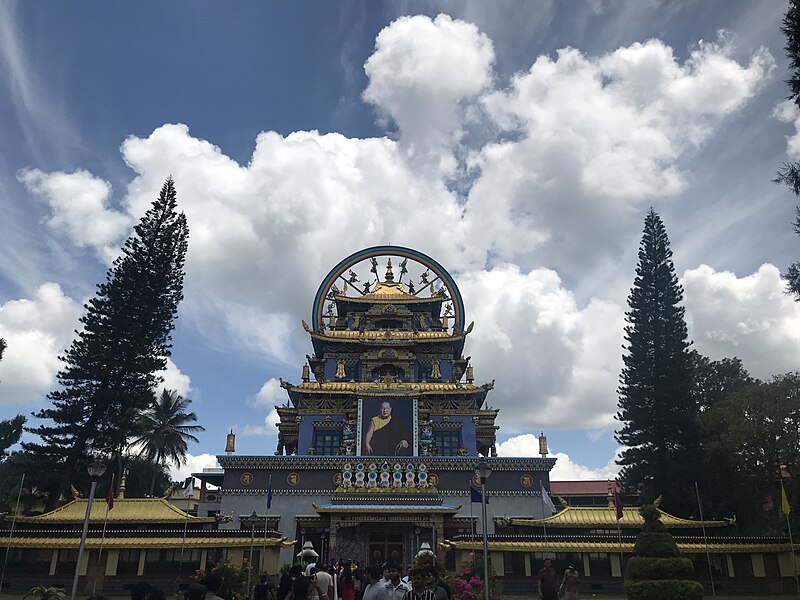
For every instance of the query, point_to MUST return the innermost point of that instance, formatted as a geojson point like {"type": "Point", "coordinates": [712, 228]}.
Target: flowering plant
{"type": "Point", "coordinates": [469, 581]}
{"type": "Point", "coordinates": [233, 579]}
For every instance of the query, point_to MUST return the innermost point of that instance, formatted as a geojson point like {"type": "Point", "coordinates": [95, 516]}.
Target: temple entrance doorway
{"type": "Point", "coordinates": [385, 547]}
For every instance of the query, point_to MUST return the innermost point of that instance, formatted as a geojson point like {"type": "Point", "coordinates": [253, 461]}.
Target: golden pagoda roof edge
{"type": "Point", "coordinates": [590, 516]}
{"type": "Point", "coordinates": [379, 388]}
{"type": "Point", "coordinates": [130, 510]}
{"type": "Point", "coordinates": [351, 335]}
{"type": "Point", "coordinates": [111, 543]}
{"type": "Point", "coordinates": [614, 546]}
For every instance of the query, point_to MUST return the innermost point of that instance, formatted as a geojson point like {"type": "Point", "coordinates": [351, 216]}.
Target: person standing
{"type": "Point", "coordinates": [570, 583]}
{"type": "Point", "coordinates": [432, 583]}
{"type": "Point", "coordinates": [396, 588]}
{"type": "Point", "coordinates": [548, 586]}
{"type": "Point", "coordinates": [374, 589]}
{"type": "Point", "coordinates": [418, 590]}
{"type": "Point", "coordinates": [347, 584]}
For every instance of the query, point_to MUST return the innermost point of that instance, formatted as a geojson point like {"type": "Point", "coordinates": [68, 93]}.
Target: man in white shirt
{"type": "Point", "coordinates": [396, 588]}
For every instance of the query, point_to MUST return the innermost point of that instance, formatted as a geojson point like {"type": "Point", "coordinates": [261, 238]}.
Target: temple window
{"type": "Point", "coordinates": [448, 441]}
{"type": "Point", "coordinates": [389, 324]}
{"type": "Point", "coordinates": [388, 371]}
{"type": "Point", "coordinates": [327, 441]}
{"type": "Point", "coordinates": [128, 563]}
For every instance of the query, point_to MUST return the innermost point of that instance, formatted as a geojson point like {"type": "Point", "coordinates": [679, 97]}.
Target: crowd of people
{"type": "Point", "coordinates": [348, 581]}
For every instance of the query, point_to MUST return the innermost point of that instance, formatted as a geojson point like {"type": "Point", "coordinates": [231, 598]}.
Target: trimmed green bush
{"type": "Point", "coordinates": [657, 572]}
{"type": "Point", "coordinates": [645, 567]}
{"type": "Point", "coordinates": [664, 589]}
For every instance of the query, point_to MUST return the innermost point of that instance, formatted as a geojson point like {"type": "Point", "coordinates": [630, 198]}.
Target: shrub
{"type": "Point", "coordinates": [664, 589]}
{"type": "Point", "coordinates": [645, 567]}
{"type": "Point", "coordinates": [656, 572]}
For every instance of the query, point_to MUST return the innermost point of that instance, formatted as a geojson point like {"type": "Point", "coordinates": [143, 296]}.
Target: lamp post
{"type": "Point", "coordinates": [482, 470]}
{"type": "Point", "coordinates": [96, 470]}
{"type": "Point", "coordinates": [252, 520]}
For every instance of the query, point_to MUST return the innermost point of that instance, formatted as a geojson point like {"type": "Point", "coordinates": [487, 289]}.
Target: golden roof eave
{"type": "Point", "coordinates": [352, 335]}
{"type": "Point", "coordinates": [589, 546]}
{"type": "Point", "coordinates": [595, 516]}
{"type": "Point", "coordinates": [377, 388]}
{"type": "Point", "coordinates": [113, 543]}
{"type": "Point", "coordinates": [127, 510]}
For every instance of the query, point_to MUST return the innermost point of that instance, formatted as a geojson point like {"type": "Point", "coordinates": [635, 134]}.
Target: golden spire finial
{"type": "Point", "coordinates": [229, 443]}
{"type": "Point", "coordinates": [389, 277]}
{"type": "Point", "coordinates": [122, 483]}
{"type": "Point", "coordinates": [543, 451]}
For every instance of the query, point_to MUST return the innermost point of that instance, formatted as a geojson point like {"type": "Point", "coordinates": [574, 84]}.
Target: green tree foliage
{"type": "Point", "coordinates": [145, 478]}
{"type": "Point", "coordinates": [789, 173]}
{"type": "Point", "coordinates": [657, 571]}
{"type": "Point", "coordinates": [110, 370]}
{"type": "Point", "coordinates": [656, 407]}
{"type": "Point", "coordinates": [755, 434]}
{"type": "Point", "coordinates": [10, 432]}
{"type": "Point", "coordinates": [166, 428]}
{"type": "Point", "coordinates": [724, 491]}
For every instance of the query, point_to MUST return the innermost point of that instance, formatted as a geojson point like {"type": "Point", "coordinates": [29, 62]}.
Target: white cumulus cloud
{"type": "Point", "coordinates": [193, 464]}
{"type": "Point", "coordinates": [527, 445]}
{"type": "Point", "coordinates": [37, 331]}
{"type": "Point", "coordinates": [751, 317]}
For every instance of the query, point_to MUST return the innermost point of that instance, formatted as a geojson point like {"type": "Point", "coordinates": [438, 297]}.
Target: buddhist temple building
{"type": "Point", "coordinates": [378, 440]}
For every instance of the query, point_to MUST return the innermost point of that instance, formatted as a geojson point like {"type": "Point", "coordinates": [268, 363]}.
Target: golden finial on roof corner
{"type": "Point", "coordinates": [610, 495]}
{"type": "Point", "coordinates": [657, 501]}
{"type": "Point", "coordinates": [75, 493]}
{"type": "Point", "coordinates": [563, 502]}
{"type": "Point", "coordinates": [306, 327]}
{"type": "Point", "coordinates": [122, 485]}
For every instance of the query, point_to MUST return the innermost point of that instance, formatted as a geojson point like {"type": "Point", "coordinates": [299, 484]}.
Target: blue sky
{"type": "Point", "coordinates": [518, 143]}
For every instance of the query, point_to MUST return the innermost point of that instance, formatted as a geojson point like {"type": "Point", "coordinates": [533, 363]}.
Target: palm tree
{"type": "Point", "coordinates": [166, 430]}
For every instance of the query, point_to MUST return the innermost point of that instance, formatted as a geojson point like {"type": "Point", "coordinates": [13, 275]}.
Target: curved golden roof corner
{"type": "Point", "coordinates": [603, 516]}
{"type": "Point", "coordinates": [612, 546]}
{"type": "Point", "coordinates": [126, 510]}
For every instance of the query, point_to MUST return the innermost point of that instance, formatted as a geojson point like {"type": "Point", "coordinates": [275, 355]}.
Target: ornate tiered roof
{"type": "Point", "coordinates": [575, 517]}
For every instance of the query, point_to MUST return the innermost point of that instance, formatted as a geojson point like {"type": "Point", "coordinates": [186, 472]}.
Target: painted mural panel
{"type": "Point", "coordinates": [386, 427]}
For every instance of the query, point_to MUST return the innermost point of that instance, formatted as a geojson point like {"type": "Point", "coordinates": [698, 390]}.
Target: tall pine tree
{"type": "Point", "coordinates": [789, 173]}
{"type": "Point", "coordinates": [656, 406]}
{"type": "Point", "coordinates": [110, 370]}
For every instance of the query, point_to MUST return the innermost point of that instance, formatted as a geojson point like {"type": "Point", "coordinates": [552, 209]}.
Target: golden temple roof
{"type": "Point", "coordinates": [112, 543]}
{"type": "Point", "coordinates": [384, 334]}
{"type": "Point", "coordinates": [378, 387]}
{"type": "Point", "coordinates": [393, 291]}
{"type": "Point", "coordinates": [610, 546]}
{"type": "Point", "coordinates": [602, 516]}
{"type": "Point", "coordinates": [128, 510]}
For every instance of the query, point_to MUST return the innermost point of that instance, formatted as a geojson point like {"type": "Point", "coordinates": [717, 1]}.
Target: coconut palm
{"type": "Point", "coordinates": [166, 428]}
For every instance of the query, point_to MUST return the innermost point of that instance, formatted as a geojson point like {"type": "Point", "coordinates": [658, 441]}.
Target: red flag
{"type": "Point", "coordinates": [110, 494]}
{"type": "Point", "coordinates": [617, 501]}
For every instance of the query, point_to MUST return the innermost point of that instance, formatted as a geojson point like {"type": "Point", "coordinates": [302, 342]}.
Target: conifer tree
{"type": "Point", "coordinates": [656, 406]}
{"type": "Point", "coordinates": [110, 370]}
{"type": "Point", "coordinates": [789, 173]}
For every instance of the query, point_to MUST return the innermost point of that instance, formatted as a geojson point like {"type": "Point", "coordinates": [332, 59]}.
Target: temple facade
{"type": "Point", "coordinates": [378, 441]}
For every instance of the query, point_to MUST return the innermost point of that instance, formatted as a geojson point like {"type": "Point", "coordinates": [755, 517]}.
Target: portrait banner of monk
{"type": "Point", "coordinates": [387, 427]}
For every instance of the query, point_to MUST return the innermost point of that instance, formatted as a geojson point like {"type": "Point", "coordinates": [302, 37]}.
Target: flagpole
{"type": "Point", "coordinates": [103, 538]}
{"type": "Point", "coordinates": [786, 509]}
{"type": "Point", "coordinates": [544, 524]}
{"type": "Point", "coordinates": [621, 560]}
{"type": "Point", "coordinates": [183, 543]}
{"type": "Point", "coordinates": [705, 539]}
{"type": "Point", "coordinates": [471, 516]}
{"type": "Point", "coordinates": [262, 561]}
{"type": "Point", "coordinates": [11, 532]}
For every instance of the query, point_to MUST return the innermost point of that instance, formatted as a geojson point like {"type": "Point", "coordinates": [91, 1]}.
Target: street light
{"type": "Point", "coordinates": [252, 520]}
{"type": "Point", "coordinates": [96, 470]}
{"type": "Point", "coordinates": [482, 470]}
